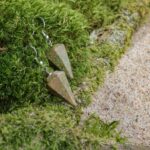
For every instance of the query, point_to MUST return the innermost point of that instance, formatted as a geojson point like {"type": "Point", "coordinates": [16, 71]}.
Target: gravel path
{"type": "Point", "coordinates": [125, 95]}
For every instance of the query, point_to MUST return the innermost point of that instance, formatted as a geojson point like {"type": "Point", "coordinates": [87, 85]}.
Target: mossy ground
{"type": "Point", "coordinates": [30, 116]}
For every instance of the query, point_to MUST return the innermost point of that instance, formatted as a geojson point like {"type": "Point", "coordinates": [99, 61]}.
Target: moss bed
{"type": "Point", "coordinates": [32, 118]}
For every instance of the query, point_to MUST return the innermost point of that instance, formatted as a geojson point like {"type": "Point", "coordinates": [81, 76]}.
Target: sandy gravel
{"type": "Point", "coordinates": [125, 95]}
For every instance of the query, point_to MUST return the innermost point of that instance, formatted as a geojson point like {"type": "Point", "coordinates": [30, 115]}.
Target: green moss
{"type": "Point", "coordinates": [98, 13]}
{"type": "Point", "coordinates": [21, 77]}
{"type": "Point", "coordinates": [50, 123]}
{"type": "Point", "coordinates": [64, 24]}
{"type": "Point", "coordinates": [49, 128]}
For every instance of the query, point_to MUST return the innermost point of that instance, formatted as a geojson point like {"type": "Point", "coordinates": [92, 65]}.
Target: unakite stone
{"type": "Point", "coordinates": [59, 57]}
{"type": "Point", "coordinates": [58, 83]}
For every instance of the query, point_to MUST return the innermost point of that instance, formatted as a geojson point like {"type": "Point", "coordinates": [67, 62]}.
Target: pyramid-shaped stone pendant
{"type": "Point", "coordinates": [59, 57]}
{"type": "Point", "coordinates": [58, 83]}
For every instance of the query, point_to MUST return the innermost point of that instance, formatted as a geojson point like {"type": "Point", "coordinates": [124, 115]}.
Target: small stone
{"type": "Point", "coordinates": [58, 83]}
{"type": "Point", "coordinates": [59, 57]}
{"type": "Point", "coordinates": [3, 49]}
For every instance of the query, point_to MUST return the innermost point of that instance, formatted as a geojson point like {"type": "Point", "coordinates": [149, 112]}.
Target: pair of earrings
{"type": "Point", "coordinates": [57, 81]}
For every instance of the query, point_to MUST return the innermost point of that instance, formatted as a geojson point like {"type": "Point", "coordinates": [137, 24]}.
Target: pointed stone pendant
{"type": "Point", "coordinates": [59, 57]}
{"type": "Point", "coordinates": [58, 83]}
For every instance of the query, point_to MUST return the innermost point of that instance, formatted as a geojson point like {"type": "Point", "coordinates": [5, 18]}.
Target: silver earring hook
{"type": "Point", "coordinates": [36, 54]}
{"type": "Point", "coordinates": [47, 38]}
{"type": "Point", "coordinates": [43, 21]}
{"type": "Point", "coordinates": [40, 62]}
{"type": "Point", "coordinates": [33, 33]}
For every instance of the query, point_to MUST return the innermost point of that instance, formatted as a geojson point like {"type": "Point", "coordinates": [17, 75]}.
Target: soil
{"type": "Point", "coordinates": [125, 95]}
